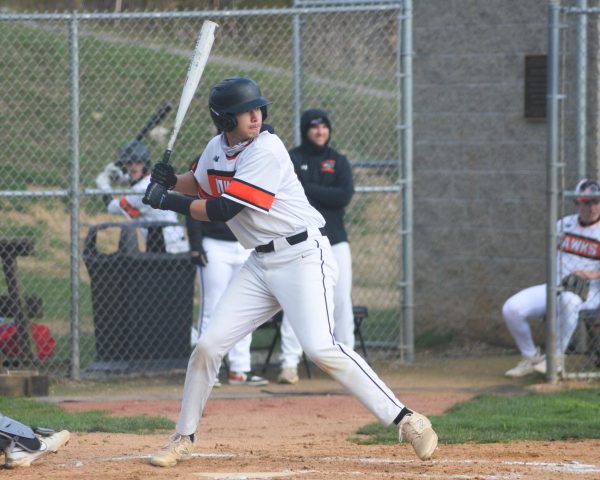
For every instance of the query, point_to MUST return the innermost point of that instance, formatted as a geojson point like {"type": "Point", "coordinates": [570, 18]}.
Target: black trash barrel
{"type": "Point", "coordinates": [142, 302]}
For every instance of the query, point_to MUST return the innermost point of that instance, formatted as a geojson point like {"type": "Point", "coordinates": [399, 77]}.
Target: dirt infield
{"type": "Point", "coordinates": [302, 432]}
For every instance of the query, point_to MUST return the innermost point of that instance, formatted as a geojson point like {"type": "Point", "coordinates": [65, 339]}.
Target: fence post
{"type": "Point", "coordinates": [407, 337]}
{"type": "Point", "coordinates": [581, 88]}
{"type": "Point", "coordinates": [552, 184]}
{"type": "Point", "coordinates": [297, 75]}
{"type": "Point", "coordinates": [74, 188]}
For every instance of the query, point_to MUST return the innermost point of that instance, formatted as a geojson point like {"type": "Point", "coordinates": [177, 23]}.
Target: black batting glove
{"type": "Point", "coordinates": [154, 195]}
{"type": "Point", "coordinates": [157, 196]}
{"type": "Point", "coordinates": [164, 175]}
{"type": "Point", "coordinates": [199, 257]}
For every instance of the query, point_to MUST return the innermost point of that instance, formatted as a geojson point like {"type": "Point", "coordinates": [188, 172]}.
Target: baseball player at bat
{"type": "Point", "coordinates": [578, 275]}
{"type": "Point", "coordinates": [246, 178]}
{"type": "Point", "coordinates": [218, 257]}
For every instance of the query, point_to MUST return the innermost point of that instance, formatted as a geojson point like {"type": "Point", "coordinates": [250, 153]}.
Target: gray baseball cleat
{"type": "Point", "coordinates": [179, 448]}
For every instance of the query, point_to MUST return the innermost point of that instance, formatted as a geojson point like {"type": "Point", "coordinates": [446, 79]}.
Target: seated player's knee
{"type": "Point", "coordinates": [511, 312]}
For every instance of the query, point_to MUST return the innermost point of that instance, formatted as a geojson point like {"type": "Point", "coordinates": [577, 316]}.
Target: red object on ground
{"type": "Point", "coordinates": [44, 342]}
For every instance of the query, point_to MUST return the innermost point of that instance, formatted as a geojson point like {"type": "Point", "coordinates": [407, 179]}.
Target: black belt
{"type": "Point", "coordinates": [293, 240]}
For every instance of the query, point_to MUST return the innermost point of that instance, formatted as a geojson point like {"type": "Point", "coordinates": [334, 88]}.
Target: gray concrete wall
{"type": "Point", "coordinates": [479, 165]}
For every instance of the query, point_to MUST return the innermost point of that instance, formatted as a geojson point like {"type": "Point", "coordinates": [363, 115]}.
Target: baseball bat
{"type": "Point", "coordinates": [202, 49]}
{"type": "Point", "coordinates": [154, 120]}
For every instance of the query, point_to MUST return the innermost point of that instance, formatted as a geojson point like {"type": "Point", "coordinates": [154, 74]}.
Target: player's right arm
{"type": "Point", "coordinates": [186, 184]}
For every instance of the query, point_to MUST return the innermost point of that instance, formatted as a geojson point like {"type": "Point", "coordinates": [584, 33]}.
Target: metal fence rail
{"type": "Point", "coordinates": [80, 85]}
{"type": "Point", "coordinates": [571, 108]}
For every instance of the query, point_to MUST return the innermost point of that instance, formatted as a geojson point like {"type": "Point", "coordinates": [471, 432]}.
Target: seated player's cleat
{"type": "Point", "coordinates": [542, 367]}
{"type": "Point", "coordinates": [526, 366]}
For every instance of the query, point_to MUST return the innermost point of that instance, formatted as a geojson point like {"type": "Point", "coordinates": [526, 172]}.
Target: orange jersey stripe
{"type": "Point", "coordinates": [250, 194]}
{"type": "Point", "coordinates": [204, 194]}
{"type": "Point", "coordinates": [129, 210]}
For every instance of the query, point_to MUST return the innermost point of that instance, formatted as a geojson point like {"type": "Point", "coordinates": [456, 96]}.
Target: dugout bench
{"type": "Point", "coordinates": [360, 313]}
{"type": "Point", "coordinates": [590, 344]}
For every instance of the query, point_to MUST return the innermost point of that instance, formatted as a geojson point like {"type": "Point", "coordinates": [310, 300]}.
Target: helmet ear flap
{"type": "Point", "coordinates": [224, 121]}
{"type": "Point", "coordinates": [228, 122]}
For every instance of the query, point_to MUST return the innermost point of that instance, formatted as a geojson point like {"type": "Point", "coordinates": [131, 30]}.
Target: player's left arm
{"type": "Point", "coordinates": [588, 274]}
{"type": "Point", "coordinates": [337, 194]}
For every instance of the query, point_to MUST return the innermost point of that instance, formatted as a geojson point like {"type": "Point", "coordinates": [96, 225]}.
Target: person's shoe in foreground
{"type": "Point", "coordinates": [288, 375]}
{"type": "Point", "coordinates": [246, 378]}
{"type": "Point", "coordinates": [416, 429]}
{"type": "Point", "coordinates": [178, 449]}
{"type": "Point", "coordinates": [19, 457]}
{"type": "Point", "coordinates": [526, 366]}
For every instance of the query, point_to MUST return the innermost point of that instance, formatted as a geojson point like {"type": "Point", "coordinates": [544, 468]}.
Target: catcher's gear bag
{"type": "Point", "coordinates": [13, 432]}
{"type": "Point", "coordinates": [576, 284]}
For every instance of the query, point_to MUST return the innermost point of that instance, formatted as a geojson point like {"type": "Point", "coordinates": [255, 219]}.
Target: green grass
{"type": "Point", "coordinates": [494, 418]}
{"type": "Point", "coordinates": [32, 412]}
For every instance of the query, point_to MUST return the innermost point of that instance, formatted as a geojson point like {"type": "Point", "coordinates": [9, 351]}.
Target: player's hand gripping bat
{"type": "Point", "coordinates": [194, 73]}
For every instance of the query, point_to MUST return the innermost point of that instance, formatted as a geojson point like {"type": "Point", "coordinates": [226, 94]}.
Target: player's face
{"type": "Point", "coordinates": [135, 170]}
{"type": "Point", "coordinates": [318, 134]}
{"type": "Point", "coordinates": [589, 209]}
{"type": "Point", "coordinates": [248, 126]}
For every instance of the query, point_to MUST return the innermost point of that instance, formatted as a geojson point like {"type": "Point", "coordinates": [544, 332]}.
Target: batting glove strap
{"type": "Point", "coordinates": [176, 203]}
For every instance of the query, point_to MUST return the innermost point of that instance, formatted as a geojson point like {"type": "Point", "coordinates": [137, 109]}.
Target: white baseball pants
{"type": "Point", "coordinates": [225, 259]}
{"type": "Point", "coordinates": [531, 302]}
{"type": "Point", "coordinates": [291, 350]}
{"type": "Point", "coordinates": [300, 279]}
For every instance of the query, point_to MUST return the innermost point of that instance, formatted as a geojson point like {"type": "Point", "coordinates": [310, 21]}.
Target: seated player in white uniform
{"type": "Point", "coordinates": [246, 178]}
{"type": "Point", "coordinates": [135, 157]}
{"type": "Point", "coordinates": [578, 254]}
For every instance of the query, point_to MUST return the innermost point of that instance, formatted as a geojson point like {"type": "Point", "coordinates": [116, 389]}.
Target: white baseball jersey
{"type": "Point", "coordinates": [579, 246]}
{"type": "Point", "coordinates": [578, 249]}
{"type": "Point", "coordinates": [131, 205]}
{"type": "Point", "coordinates": [243, 180]}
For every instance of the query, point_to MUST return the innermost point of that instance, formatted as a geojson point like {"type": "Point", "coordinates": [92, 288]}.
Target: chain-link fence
{"type": "Point", "coordinates": [87, 288]}
{"type": "Point", "coordinates": [573, 341]}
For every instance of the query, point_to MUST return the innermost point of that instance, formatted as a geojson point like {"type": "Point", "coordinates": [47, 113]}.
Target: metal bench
{"type": "Point", "coordinates": [360, 313]}
{"type": "Point", "coordinates": [590, 318]}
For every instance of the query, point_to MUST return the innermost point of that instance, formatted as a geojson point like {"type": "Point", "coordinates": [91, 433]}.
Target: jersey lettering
{"type": "Point", "coordinates": [580, 246]}
{"type": "Point", "coordinates": [219, 181]}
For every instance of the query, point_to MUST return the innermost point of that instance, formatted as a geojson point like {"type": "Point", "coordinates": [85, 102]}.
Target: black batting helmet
{"type": "Point", "coordinates": [234, 95]}
{"type": "Point", "coordinates": [134, 151]}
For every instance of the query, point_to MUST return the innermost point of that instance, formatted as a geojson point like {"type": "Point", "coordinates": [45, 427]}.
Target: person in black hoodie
{"type": "Point", "coordinates": [326, 176]}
